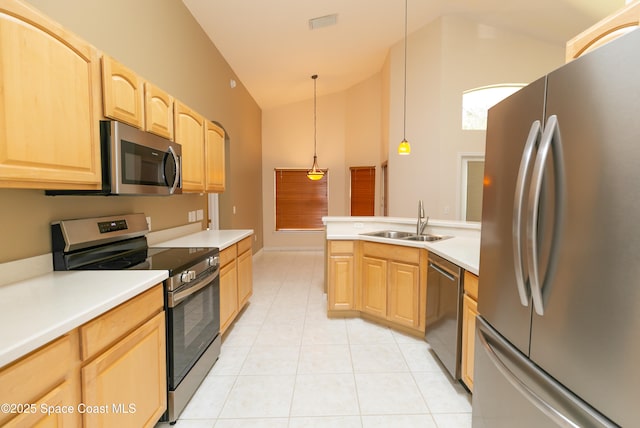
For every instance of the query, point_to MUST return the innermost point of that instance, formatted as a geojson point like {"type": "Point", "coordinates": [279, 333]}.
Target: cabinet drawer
{"type": "Point", "coordinates": [228, 255]}
{"type": "Point", "coordinates": [392, 252]}
{"type": "Point", "coordinates": [244, 245]}
{"type": "Point", "coordinates": [471, 285]}
{"type": "Point", "coordinates": [345, 247]}
{"type": "Point", "coordinates": [96, 335]}
{"type": "Point", "coordinates": [38, 374]}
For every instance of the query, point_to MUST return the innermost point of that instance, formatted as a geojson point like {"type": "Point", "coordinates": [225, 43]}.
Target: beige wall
{"type": "Point", "coordinates": [348, 126]}
{"type": "Point", "coordinates": [161, 41]}
{"type": "Point", "coordinates": [445, 58]}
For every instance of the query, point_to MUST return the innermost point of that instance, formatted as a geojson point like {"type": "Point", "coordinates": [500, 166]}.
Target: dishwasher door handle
{"type": "Point", "coordinates": [442, 271]}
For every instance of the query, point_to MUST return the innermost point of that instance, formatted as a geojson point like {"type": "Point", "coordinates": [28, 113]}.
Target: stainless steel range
{"type": "Point", "coordinates": [192, 292]}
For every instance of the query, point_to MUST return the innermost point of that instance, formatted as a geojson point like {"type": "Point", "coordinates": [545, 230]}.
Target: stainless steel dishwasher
{"type": "Point", "coordinates": [444, 312]}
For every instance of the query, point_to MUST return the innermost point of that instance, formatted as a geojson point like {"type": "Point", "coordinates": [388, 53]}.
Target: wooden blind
{"type": "Point", "coordinates": [363, 190]}
{"type": "Point", "coordinates": [300, 203]}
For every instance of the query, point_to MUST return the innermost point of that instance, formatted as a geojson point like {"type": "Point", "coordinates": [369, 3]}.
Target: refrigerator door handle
{"type": "Point", "coordinates": [521, 182]}
{"type": "Point", "coordinates": [573, 413]}
{"type": "Point", "coordinates": [550, 141]}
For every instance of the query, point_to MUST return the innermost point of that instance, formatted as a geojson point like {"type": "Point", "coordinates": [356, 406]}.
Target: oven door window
{"type": "Point", "coordinates": [144, 165]}
{"type": "Point", "coordinates": [193, 324]}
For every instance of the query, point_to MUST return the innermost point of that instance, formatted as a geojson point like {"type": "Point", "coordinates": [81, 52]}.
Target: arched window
{"type": "Point", "coordinates": [476, 102]}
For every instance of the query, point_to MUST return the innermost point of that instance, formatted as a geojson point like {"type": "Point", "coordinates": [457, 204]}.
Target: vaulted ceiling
{"type": "Point", "coordinates": [273, 51]}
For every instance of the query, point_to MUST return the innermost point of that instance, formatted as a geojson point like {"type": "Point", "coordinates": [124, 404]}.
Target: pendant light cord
{"type": "Point", "coordinates": [404, 126]}
{"type": "Point", "coordinates": [315, 132]}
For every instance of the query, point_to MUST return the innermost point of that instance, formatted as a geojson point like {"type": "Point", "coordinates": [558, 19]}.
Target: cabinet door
{"type": "Point", "coordinates": [158, 111]}
{"type": "Point", "coordinates": [404, 293]}
{"type": "Point", "coordinates": [228, 295]}
{"type": "Point", "coordinates": [374, 286]}
{"type": "Point", "coordinates": [126, 385]}
{"type": "Point", "coordinates": [214, 152]}
{"type": "Point", "coordinates": [50, 104]}
{"type": "Point", "coordinates": [469, 312]}
{"type": "Point", "coordinates": [245, 277]}
{"type": "Point", "coordinates": [189, 129]}
{"type": "Point", "coordinates": [48, 377]}
{"type": "Point", "coordinates": [121, 93]}
{"type": "Point", "coordinates": [341, 291]}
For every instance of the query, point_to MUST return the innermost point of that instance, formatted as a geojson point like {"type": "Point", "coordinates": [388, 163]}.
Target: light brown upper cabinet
{"type": "Point", "coordinates": [613, 26]}
{"type": "Point", "coordinates": [214, 152]}
{"type": "Point", "coordinates": [122, 93]}
{"type": "Point", "coordinates": [49, 103]}
{"type": "Point", "coordinates": [189, 129]}
{"type": "Point", "coordinates": [158, 111]}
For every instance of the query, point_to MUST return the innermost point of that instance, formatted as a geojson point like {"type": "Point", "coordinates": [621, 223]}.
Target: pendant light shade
{"type": "Point", "coordinates": [404, 148]}
{"type": "Point", "coordinates": [315, 173]}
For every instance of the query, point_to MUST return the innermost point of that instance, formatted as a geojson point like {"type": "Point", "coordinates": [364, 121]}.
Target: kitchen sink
{"type": "Point", "coordinates": [427, 238]}
{"type": "Point", "coordinates": [407, 236]}
{"type": "Point", "coordinates": [392, 234]}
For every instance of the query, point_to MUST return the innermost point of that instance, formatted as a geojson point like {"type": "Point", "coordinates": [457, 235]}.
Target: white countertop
{"type": "Point", "coordinates": [208, 238]}
{"type": "Point", "coordinates": [36, 311]}
{"type": "Point", "coordinates": [463, 248]}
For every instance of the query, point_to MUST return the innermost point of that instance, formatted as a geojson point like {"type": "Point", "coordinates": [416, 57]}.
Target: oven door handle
{"type": "Point", "coordinates": [175, 297]}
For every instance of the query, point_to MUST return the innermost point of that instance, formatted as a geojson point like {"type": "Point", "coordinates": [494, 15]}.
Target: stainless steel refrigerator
{"type": "Point", "coordinates": [558, 336]}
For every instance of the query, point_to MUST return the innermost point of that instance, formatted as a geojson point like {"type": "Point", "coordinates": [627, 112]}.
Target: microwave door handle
{"type": "Point", "coordinates": [525, 166]}
{"type": "Point", "coordinates": [551, 141]}
{"type": "Point", "coordinates": [177, 178]}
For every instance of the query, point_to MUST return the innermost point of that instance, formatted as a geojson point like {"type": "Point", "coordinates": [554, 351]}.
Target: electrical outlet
{"type": "Point", "coordinates": [148, 223]}
{"type": "Point", "coordinates": [199, 215]}
{"type": "Point", "coordinates": [192, 216]}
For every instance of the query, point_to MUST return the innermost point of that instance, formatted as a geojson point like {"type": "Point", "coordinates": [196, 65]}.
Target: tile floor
{"type": "Point", "coordinates": [285, 364]}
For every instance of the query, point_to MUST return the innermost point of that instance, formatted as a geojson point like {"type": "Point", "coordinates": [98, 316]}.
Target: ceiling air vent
{"type": "Point", "coordinates": [323, 21]}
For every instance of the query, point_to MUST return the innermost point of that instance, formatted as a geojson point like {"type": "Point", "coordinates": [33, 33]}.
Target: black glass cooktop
{"type": "Point", "coordinates": [177, 259]}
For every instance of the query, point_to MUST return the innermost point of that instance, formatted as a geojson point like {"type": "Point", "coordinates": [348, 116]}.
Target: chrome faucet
{"type": "Point", "coordinates": [422, 221]}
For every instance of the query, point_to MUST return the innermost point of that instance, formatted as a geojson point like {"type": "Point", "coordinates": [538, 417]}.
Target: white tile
{"type": "Point", "coordinates": [280, 334]}
{"type": "Point", "coordinates": [325, 332]}
{"type": "Point", "coordinates": [230, 360]}
{"type": "Point", "coordinates": [254, 313]}
{"type": "Point", "coordinates": [259, 397]}
{"type": "Point", "coordinates": [389, 393]}
{"type": "Point", "coordinates": [377, 357]}
{"type": "Point", "coordinates": [271, 360]}
{"type": "Point", "coordinates": [324, 395]}
{"type": "Point", "coordinates": [453, 420]}
{"type": "Point", "coordinates": [441, 394]}
{"type": "Point", "coordinates": [327, 422]}
{"type": "Point", "coordinates": [188, 423]}
{"type": "Point", "coordinates": [252, 423]}
{"type": "Point", "coordinates": [241, 335]}
{"type": "Point", "coordinates": [325, 359]}
{"type": "Point", "coordinates": [419, 358]}
{"type": "Point", "coordinates": [404, 421]}
{"type": "Point", "coordinates": [209, 399]}
{"type": "Point", "coordinates": [365, 332]}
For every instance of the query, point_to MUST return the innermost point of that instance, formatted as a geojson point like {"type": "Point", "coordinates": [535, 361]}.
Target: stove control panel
{"type": "Point", "coordinates": [112, 226]}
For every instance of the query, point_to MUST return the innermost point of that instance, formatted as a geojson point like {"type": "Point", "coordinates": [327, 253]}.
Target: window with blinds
{"type": "Point", "coordinates": [300, 203]}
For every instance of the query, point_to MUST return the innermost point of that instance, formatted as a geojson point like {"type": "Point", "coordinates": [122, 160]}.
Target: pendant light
{"type": "Point", "coordinates": [315, 173]}
{"type": "Point", "coordinates": [404, 148]}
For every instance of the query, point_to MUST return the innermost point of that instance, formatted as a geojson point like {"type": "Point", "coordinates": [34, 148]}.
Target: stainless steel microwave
{"type": "Point", "coordinates": [135, 162]}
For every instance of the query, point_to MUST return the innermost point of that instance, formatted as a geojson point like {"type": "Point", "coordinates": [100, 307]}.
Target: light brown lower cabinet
{"type": "Point", "coordinates": [382, 281]}
{"type": "Point", "coordinates": [228, 295]}
{"type": "Point", "coordinates": [47, 377]}
{"type": "Point", "coordinates": [236, 280]}
{"type": "Point", "coordinates": [469, 313]}
{"type": "Point", "coordinates": [340, 271]}
{"type": "Point", "coordinates": [108, 372]}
